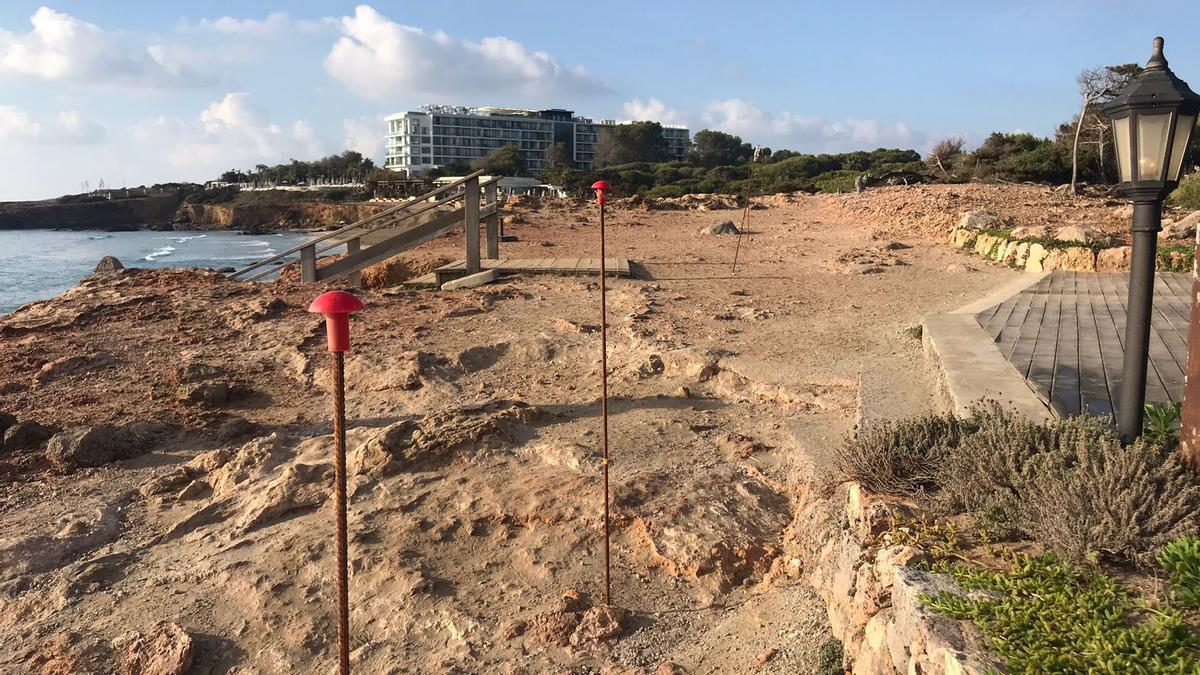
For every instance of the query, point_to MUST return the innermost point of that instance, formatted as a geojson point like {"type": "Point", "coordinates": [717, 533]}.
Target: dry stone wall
{"type": "Point", "coordinates": [872, 591]}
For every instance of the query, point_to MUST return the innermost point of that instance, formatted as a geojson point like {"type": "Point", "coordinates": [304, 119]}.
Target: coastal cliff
{"type": "Point", "coordinates": [90, 215]}
{"type": "Point", "coordinates": [299, 214]}
{"type": "Point", "coordinates": [107, 214]}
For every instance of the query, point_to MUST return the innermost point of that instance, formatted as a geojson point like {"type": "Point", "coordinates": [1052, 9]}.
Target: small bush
{"type": "Point", "coordinates": [900, 458]}
{"type": "Point", "coordinates": [1181, 559]}
{"type": "Point", "coordinates": [1161, 425]}
{"type": "Point", "coordinates": [1068, 484]}
{"type": "Point", "coordinates": [1100, 499]}
{"type": "Point", "coordinates": [1175, 258]}
{"type": "Point", "coordinates": [831, 658]}
{"type": "Point", "coordinates": [1187, 194]}
{"type": "Point", "coordinates": [1043, 617]}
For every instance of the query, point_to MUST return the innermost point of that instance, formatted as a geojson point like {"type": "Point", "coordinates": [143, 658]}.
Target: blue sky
{"type": "Point", "coordinates": [140, 92]}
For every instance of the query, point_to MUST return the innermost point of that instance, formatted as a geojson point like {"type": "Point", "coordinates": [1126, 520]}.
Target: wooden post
{"type": "Point", "coordinates": [354, 246]}
{"type": "Point", "coordinates": [1189, 432]}
{"type": "Point", "coordinates": [308, 264]}
{"type": "Point", "coordinates": [471, 221]}
{"type": "Point", "coordinates": [493, 222]}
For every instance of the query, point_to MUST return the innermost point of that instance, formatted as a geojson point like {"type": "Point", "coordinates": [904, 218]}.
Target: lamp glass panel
{"type": "Point", "coordinates": [1183, 132]}
{"type": "Point", "coordinates": [1152, 134]}
{"type": "Point", "coordinates": [1124, 158]}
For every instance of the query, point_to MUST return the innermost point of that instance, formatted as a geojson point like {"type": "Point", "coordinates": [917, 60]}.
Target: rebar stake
{"type": "Point", "coordinates": [339, 438]}
{"type": "Point", "coordinates": [337, 307]}
{"type": "Point", "coordinates": [601, 187]}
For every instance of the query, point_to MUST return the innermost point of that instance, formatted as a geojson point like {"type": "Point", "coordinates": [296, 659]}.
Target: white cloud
{"type": "Point", "coordinates": [273, 25]}
{"type": "Point", "coordinates": [230, 133]}
{"type": "Point", "coordinates": [805, 133]}
{"type": "Point", "coordinates": [365, 135]}
{"type": "Point", "coordinates": [64, 48]}
{"type": "Point", "coordinates": [652, 110]}
{"type": "Point", "coordinates": [380, 59]}
{"type": "Point", "coordinates": [17, 125]}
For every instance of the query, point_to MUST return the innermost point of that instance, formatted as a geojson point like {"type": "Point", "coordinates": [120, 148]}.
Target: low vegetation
{"type": "Point", "coordinates": [994, 483]}
{"type": "Point", "coordinates": [1068, 484]}
{"type": "Point", "coordinates": [1042, 616]}
{"type": "Point", "coordinates": [1187, 194]}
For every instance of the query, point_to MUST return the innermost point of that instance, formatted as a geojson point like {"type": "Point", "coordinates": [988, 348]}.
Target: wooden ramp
{"type": "Point", "coordinates": [1065, 337]}
{"type": "Point", "coordinates": [612, 267]}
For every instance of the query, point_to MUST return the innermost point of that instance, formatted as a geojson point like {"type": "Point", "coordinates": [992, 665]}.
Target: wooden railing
{"type": "Point", "coordinates": [479, 206]}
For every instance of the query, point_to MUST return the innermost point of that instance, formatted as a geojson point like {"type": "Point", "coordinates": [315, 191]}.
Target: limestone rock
{"type": "Point", "coordinates": [962, 238]}
{"type": "Point", "coordinates": [97, 445]}
{"type": "Point", "coordinates": [164, 650]}
{"type": "Point", "coordinates": [6, 421]}
{"type": "Point", "coordinates": [981, 220]}
{"type": "Point", "coordinates": [1075, 233]}
{"type": "Point", "coordinates": [1184, 228]}
{"type": "Point", "coordinates": [721, 227]}
{"type": "Point", "coordinates": [1117, 259]}
{"type": "Point", "coordinates": [598, 624]}
{"type": "Point", "coordinates": [1037, 254]}
{"type": "Point", "coordinates": [25, 435]}
{"type": "Point", "coordinates": [1074, 259]}
{"type": "Point", "coordinates": [1033, 232]}
{"type": "Point", "coordinates": [207, 394]}
{"type": "Point", "coordinates": [109, 265]}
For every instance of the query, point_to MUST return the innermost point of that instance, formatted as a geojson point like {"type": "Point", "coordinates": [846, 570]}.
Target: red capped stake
{"type": "Point", "coordinates": [600, 187]}
{"type": "Point", "coordinates": [337, 306]}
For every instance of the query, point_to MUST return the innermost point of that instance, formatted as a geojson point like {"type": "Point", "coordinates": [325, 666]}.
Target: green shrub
{"type": "Point", "coordinates": [1167, 262]}
{"type": "Point", "coordinates": [1089, 500]}
{"type": "Point", "coordinates": [900, 458]}
{"type": "Point", "coordinates": [1187, 194]}
{"type": "Point", "coordinates": [1161, 424]}
{"type": "Point", "coordinates": [1181, 559]}
{"type": "Point", "coordinates": [1041, 616]}
{"type": "Point", "coordinates": [1068, 484]}
{"type": "Point", "coordinates": [831, 659]}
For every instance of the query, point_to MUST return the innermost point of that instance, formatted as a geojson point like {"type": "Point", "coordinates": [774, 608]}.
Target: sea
{"type": "Point", "coordinates": [40, 264]}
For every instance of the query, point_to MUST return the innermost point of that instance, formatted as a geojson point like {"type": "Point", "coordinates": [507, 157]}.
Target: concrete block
{"type": "Point", "coordinates": [470, 281]}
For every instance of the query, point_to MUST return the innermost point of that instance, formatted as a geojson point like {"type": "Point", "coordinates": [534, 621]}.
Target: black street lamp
{"type": "Point", "coordinates": [1152, 121]}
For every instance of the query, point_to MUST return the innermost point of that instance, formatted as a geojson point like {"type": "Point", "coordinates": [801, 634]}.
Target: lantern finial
{"type": "Point", "coordinates": [1157, 60]}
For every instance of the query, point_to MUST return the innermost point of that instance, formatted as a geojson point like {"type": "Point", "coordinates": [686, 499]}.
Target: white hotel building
{"type": "Point", "coordinates": [442, 135]}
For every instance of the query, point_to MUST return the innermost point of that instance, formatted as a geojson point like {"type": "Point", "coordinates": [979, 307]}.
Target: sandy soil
{"type": "Point", "coordinates": [474, 433]}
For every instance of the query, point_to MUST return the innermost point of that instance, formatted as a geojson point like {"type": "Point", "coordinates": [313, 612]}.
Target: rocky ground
{"type": "Point", "coordinates": [165, 477]}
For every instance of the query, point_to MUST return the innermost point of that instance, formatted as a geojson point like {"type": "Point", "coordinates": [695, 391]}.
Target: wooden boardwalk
{"type": "Point", "coordinates": [612, 266]}
{"type": "Point", "coordinates": [1065, 336]}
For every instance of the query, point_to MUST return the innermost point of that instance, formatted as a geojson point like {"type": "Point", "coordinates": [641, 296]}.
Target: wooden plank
{"type": "Point", "coordinates": [1109, 333]}
{"type": "Point", "coordinates": [471, 223]}
{"type": "Point", "coordinates": [1022, 353]}
{"type": "Point", "coordinates": [986, 316]}
{"type": "Point", "coordinates": [999, 317]}
{"type": "Point", "coordinates": [1065, 392]}
{"type": "Point", "coordinates": [1010, 332]}
{"type": "Point", "coordinates": [1093, 383]}
{"type": "Point", "coordinates": [1041, 367]}
{"type": "Point", "coordinates": [1155, 388]}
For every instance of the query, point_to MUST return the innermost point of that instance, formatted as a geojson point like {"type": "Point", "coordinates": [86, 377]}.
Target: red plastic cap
{"type": "Point", "coordinates": [337, 306]}
{"type": "Point", "coordinates": [600, 187]}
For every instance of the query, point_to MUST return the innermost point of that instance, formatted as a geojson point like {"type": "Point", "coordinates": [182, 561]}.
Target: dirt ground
{"type": "Point", "coordinates": [476, 536]}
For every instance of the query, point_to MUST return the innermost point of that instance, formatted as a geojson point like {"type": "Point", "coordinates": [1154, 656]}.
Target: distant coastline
{"type": "Point", "coordinates": [169, 211]}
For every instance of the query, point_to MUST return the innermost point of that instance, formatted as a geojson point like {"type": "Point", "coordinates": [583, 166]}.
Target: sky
{"type": "Point", "coordinates": [136, 93]}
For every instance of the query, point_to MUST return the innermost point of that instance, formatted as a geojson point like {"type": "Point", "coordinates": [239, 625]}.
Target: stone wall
{"type": "Point", "coordinates": [873, 595]}
{"type": "Point", "coordinates": [1034, 257]}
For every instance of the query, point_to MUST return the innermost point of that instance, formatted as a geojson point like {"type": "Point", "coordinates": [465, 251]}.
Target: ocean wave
{"type": "Point", "coordinates": [160, 252]}
{"type": "Point", "coordinates": [180, 240]}
{"type": "Point", "coordinates": [100, 236]}
{"type": "Point", "coordinates": [254, 244]}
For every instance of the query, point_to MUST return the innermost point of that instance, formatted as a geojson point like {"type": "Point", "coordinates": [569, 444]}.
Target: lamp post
{"type": "Point", "coordinates": [1152, 121]}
